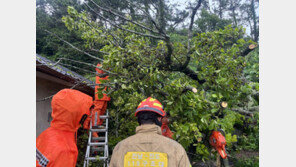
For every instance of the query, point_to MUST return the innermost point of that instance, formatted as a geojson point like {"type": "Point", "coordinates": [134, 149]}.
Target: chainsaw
{"type": "Point", "coordinates": [218, 141]}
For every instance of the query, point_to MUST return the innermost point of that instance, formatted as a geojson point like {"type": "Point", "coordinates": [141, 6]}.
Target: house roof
{"type": "Point", "coordinates": [51, 68]}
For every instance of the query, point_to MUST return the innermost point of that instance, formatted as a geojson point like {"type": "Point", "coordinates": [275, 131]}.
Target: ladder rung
{"type": "Point", "coordinates": [98, 144]}
{"type": "Point", "coordinates": [95, 159]}
{"type": "Point", "coordinates": [97, 149]}
{"type": "Point", "coordinates": [98, 130]}
{"type": "Point", "coordinates": [104, 117]}
{"type": "Point", "coordinates": [98, 138]}
{"type": "Point", "coordinates": [98, 127]}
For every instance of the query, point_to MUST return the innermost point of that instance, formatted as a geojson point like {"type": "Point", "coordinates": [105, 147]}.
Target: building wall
{"type": "Point", "coordinates": [45, 86]}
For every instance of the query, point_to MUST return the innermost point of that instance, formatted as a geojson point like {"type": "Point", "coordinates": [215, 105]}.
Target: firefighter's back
{"type": "Point", "coordinates": [149, 148]}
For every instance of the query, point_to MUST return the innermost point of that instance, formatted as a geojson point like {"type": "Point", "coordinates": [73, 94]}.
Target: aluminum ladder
{"type": "Point", "coordinates": [99, 144]}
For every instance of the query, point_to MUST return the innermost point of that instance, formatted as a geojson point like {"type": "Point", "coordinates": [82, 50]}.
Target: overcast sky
{"type": "Point", "coordinates": [183, 4]}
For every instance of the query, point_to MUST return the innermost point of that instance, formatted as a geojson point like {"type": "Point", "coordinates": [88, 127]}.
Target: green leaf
{"type": "Point", "coordinates": [169, 103]}
{"type": "Point", "coordinates": [100, 95]}
{"type": "Point", "coordinates": [213, 110]}
{"type": "Point", "coordinates": [123, 86]}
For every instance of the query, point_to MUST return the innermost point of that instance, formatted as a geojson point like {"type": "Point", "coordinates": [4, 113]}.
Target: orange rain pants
{"type": "Point", "coordinates": [56, 146]}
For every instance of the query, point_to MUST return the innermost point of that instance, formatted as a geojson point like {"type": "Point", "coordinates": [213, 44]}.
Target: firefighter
{"type": "Point", "coordinates": [148, 147]}
{"type": "Point", "coordinates": [56, 146]}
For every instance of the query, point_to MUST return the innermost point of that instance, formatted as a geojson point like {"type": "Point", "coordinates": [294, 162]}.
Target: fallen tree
{"type": "Point", "coordinates": [192, 77]}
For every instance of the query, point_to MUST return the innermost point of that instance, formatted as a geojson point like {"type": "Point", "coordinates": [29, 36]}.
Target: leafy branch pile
{"type": "Point", "coordinates": [139, 69]}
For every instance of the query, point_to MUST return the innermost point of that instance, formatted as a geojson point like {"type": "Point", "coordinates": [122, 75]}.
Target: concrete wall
{"type": "Point", "coordinates": [45, 86]}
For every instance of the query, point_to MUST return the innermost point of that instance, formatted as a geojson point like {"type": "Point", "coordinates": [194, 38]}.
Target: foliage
{"type": "Point", "coordinates": [247, 162]}
{"type": "Point", "coordinates": [210, 22]}
{"type": "Point", "coordinates": [249, 140]}
{"type": "Point", "coordinates": [252, 66]}
{"type": "Point", "coordinates": [221, 7]}
{"type": "Point", "coordinates": [138, 73]}
{"type": "Point", "coordinates": [82, 139]}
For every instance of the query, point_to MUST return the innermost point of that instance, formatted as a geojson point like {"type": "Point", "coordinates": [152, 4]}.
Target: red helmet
{"type": "Point", "coordinates": [151, 104]}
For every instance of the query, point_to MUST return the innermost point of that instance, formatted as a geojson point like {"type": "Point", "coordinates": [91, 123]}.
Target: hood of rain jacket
{"type": "Point", "coordinates": [68, 107]}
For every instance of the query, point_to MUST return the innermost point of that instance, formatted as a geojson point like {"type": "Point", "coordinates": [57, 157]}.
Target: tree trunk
{"type": "Point", "coordinates": [132, 11]}
{"type": "Point", "coordinates": [220, 9]}
{"type": "Point", "coordinates": [161, 15]}
{"type": "Point", "coordinates": [254, 21]}
{"type": "Point", "coordinates": [233, 12]}
{"type": "Point", "coordinates": [251, 27]}
{"type": "Point", "coordinates": [146, 4]}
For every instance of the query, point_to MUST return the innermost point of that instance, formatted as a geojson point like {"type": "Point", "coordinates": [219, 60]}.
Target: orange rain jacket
{"type": "Point", "coordinates": [100, 104]}
{"type": "Point", "coordinates": [56, 146]}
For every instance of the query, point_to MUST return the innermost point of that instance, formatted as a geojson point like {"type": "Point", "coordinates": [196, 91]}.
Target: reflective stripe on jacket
{"type": "Point", "coordinates": [148, 138]}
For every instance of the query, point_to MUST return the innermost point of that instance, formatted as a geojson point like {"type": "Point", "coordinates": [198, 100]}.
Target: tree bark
{"type": "Point", "coordinates": [220, 9]}
{"type": "Point", "coordinates": [132, 11]}
{"type": "Point", "coordinates": [233, 12]}
{"type": "Point", "coordinates": [161, 15]}
{"type": "Point", "coordinates": [256, 34]}
{"type": "Point", "coordinates": [194, 10]}
{"type": "Point", "coordinates": [193, 75]}
{"type": "Point", "coordinates": [146, 4]}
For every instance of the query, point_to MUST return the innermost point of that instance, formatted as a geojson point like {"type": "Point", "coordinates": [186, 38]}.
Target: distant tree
{"type": "Point", "coordinates": [210, 22]}
{"type": "Point", "coordinates": [250, 17]}
{"type": "Point", "coordinates": [49, 15]}
{"type": "Point", "coordinates": [220, 7]}
{"type": "Point", "coordinates": [206, 5]}
{"type": "Point", "coordinates": [255, 18]}
{"type": "Point", "coordinates": [233, 8]}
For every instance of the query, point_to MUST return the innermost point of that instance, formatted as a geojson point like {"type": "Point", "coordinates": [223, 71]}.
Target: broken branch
{"type": "Point", "coordinates": [122, 17]}
{"type": "Point", "coordinates": [131, 31]}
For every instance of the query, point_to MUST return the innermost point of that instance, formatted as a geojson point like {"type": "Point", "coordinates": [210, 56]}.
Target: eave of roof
{"type": "Point", "coordinates": [51, 68]}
